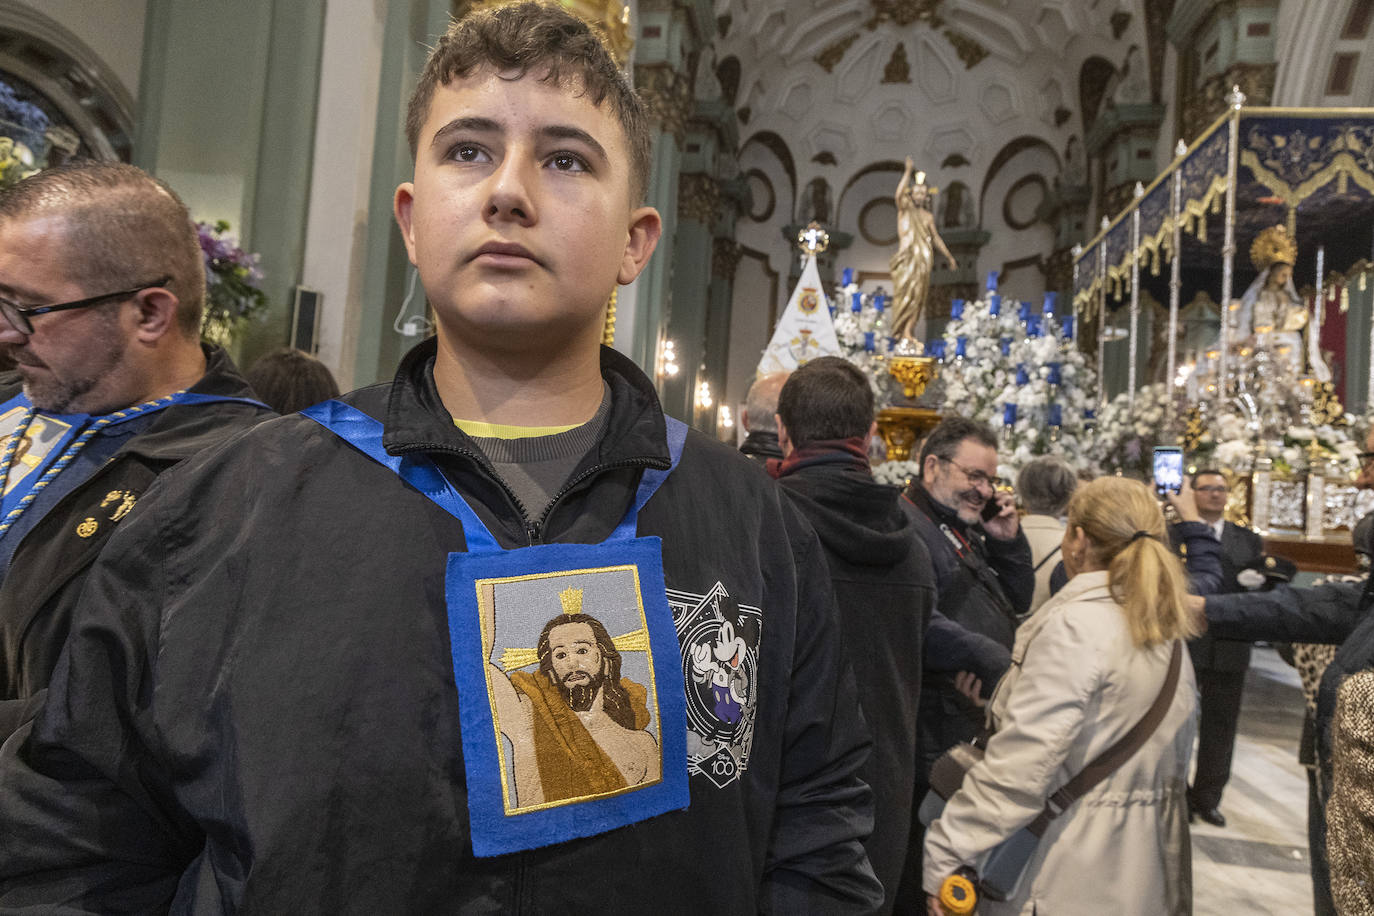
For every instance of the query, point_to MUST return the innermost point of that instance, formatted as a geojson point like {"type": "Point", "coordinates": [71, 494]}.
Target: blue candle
{"type": "Point", "coordinates": [892, 343]}
{"type": "Point", "coordinates": [936, 347]}
{"type": "Point", "coordinates": [1009, 415]}
{"type": "Point", "coordinates": [992, 281]}
{"type": "Point", "coordinates": [1050, 299]}
{"type": "Point", "coordinates": [1006, 346]}
{"type": "Point", "coordinates": [1054, 378]}
{"type": "Point", "coordinates": [1056, 415]}
{"type": "Point", "coordinates": [1033, 326]}
{"type": "Point", "coordinates": [868, 341]}
{"type": "Point", "coordinates": [956, 308]}
{"type": "Point", "coordinates": [994, 305]}
{"type": "Point", "coordinates": [961, 347]}
{"type": "Point", "coordinates": [879, 301]}
{"type": "Point", "coordinates": [1024, 311]}
{"type": "Point", "coordinates": [1022, 376]}
{"type": "Point", "coordinates": [856, 302]}
{"type": "Point", "coordinates": [847, 276]}
{"type": "Point", "coordinates": [1066, 325]}
{"type": "Point", "coordinates": [1089, 413]}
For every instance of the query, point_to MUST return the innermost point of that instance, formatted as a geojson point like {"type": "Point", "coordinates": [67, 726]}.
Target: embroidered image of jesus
{"type": "Point", "coordinates": [576, 727]}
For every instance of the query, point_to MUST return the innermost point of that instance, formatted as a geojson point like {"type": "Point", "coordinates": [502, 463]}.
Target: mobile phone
{"type": "Point", "coordinates": [992, 508]}
{"type": "Point", "coordinates": [1168, 465]}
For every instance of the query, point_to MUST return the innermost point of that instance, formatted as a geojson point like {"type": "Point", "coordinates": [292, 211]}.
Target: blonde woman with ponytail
{"type": "Point", "coordinates": [1085, 669]}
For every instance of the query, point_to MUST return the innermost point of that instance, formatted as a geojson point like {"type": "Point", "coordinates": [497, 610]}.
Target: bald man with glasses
{"type": "Point", "coordinates": [102, 288]}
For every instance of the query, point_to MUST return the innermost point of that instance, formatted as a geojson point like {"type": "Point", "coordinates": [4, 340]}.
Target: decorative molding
{"type": "Point", "coordinates": [1203, 107]}
{"type": "Point", "coordinates": [765, 212]}
{"type": "Point", "coordinates": [1024, 181]}
{"type": "Point", "coordinates": [905, 13]}
{"type": "Point", "coordinates": [969, 50]}
{"type": "Point", "coordinates": [867, 213]}
{"type": "Point", "coordinates": [834, 52]}
{"type": "Point", "coordinates": [698, 198]}
{"type": "Point", "coordinates": [667, 95]}
{"type": "Point", "coordinates": [898, 69]}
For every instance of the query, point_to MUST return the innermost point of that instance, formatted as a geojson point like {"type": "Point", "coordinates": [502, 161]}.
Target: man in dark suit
{"type": "Point", "coordinates": [1220, 664]}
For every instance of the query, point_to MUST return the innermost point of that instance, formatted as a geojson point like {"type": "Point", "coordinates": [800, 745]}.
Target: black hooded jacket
{"type": "Point", "coordinates": [885, 591]}
{"type": "Point", "coordinates": [256, 711]}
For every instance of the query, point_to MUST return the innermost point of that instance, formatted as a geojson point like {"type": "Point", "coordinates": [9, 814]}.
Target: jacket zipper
{"type": "Point", "coordinates": [533, 528]}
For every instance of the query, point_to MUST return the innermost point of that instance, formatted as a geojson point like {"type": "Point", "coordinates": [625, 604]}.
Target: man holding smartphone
{"type": "Point", "coordinates": [984, 579]}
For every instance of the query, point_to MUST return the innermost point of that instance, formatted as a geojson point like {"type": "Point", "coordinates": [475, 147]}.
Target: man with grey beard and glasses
{"type": "Point", "coordinates": [102, 288]}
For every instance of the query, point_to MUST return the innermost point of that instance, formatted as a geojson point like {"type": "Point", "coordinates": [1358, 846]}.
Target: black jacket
{"type": "Point", "coordinates": [985, 590]}
{"type": "Point", "coordinates": [1239, 548]}
{"type": "Point", "coordinates": [761, 445]}
{"type": "Point", "coordinates": [885, 590]}
{"type": "Point", "coordinates": [51, 562]}
{"type": "Point", "coordinates": [1338, 613]}
{"type": "Point", "coordinates": [257, 710]}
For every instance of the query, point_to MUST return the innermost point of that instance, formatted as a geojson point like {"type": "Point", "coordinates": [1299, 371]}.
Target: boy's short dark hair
{"type": "Point", "coordinates": [826, 399]}
{"type": "Point", "coordinates": [525, 37]}
{"type": "Point", "coordinates": [944, 439]}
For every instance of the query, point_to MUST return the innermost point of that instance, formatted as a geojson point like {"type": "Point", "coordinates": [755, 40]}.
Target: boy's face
{"type": "Point", "coordinates": [519, 218]}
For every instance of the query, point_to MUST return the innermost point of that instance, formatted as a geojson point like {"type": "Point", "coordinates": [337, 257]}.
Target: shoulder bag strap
{"type": "Point", "coordinates": [1117, 754]}
{"type": "Point", "coordinates": [1049, 556]}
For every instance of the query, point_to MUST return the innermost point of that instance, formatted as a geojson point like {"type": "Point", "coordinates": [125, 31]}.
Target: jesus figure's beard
{"type": "Point", "coordinates": [580, 697]}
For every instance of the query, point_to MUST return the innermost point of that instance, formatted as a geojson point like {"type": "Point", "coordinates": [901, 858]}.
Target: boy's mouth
{"type": "Point", "coordinates": [504, 253]}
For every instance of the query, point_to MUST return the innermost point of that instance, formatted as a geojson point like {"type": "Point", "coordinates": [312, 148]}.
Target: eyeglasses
{"type": "Point", "coordinates": [976, 477]}
{"type": "Point", "coordinates": [1213, 488]}
{"type": "Point", "coordinates": [18, 315]}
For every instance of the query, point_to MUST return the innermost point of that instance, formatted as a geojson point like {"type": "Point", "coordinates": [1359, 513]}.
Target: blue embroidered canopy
{"type": "Point", "coordinates": [1309, 169]}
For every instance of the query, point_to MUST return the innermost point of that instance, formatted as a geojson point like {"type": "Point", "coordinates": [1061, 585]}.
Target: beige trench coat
{"type": "Point", "coordinates": [1076, 685]}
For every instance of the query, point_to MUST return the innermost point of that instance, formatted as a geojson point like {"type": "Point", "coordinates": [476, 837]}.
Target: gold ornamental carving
{"type": "Point", "coordinates": [969, 51]}
{"type": "Point", "coordinates": [667, 95]}
{"type": "Point", "coordinates": [898, 69]}
{"type": "Point", "coordinates": [725, 255]}
{"type": "Point", "coordinates": [905, 12]}
{"type": "Point", "coordinates": [913, 373]}
{"type": "Point", "coordinates": [833, 53]}
{"type": "Point", "coordinates": [698, 197]}
{"type": "Point", "coordinates": [902, 428]}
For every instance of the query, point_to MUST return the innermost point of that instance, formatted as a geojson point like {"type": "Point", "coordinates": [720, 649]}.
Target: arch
{"type": "Point", "coordinates": [1093, 79]}
{"type": "Point", "coordinates": [728, 75]}
{"type": "Point", "coordinates": [1007, 154]}
{"type": "Point", "coordinates": [42, 53]}
{"type": "Point", "coordinates": [778, 147]}
{"type": "Point", "coordinates": [882, 165]}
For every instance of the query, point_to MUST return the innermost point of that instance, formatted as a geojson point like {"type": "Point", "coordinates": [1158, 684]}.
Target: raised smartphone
{"type": "Point", "coordinates": [1168, 469]}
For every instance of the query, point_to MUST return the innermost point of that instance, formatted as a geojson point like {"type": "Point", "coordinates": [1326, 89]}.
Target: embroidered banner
{"type": "Point", "coordinates": [570, 691]}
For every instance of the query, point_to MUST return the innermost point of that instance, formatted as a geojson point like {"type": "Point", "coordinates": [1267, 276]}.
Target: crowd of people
{"type": "Point", "coordinates": [499, 636]}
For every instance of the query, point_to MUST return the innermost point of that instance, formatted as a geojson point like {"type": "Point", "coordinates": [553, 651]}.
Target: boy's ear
{"type": "Point", "coordinates": [646, 226]}
{"type": "Point", "coordinates": [401, 206]}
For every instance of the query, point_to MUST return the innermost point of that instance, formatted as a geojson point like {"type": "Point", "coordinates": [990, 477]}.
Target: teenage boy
{"type": "Point", "coordinates": [290, 708]}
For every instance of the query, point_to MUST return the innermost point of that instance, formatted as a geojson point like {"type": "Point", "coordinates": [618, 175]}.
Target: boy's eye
{"type": "Point", "coordinates": [469, 152]}
{"type": "Point", "coordinates": [567, 162]}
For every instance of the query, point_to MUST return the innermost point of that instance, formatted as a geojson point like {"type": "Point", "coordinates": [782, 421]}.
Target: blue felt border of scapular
{"type": "Point", "coordinates": [493, 831]}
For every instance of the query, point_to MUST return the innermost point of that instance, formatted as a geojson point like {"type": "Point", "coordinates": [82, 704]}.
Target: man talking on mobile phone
{"type": "Point", "coordinates": [984, 579]}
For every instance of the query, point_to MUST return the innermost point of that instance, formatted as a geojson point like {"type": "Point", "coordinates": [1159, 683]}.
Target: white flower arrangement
{"type": "Point", "coordinates": [1045, 378]}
